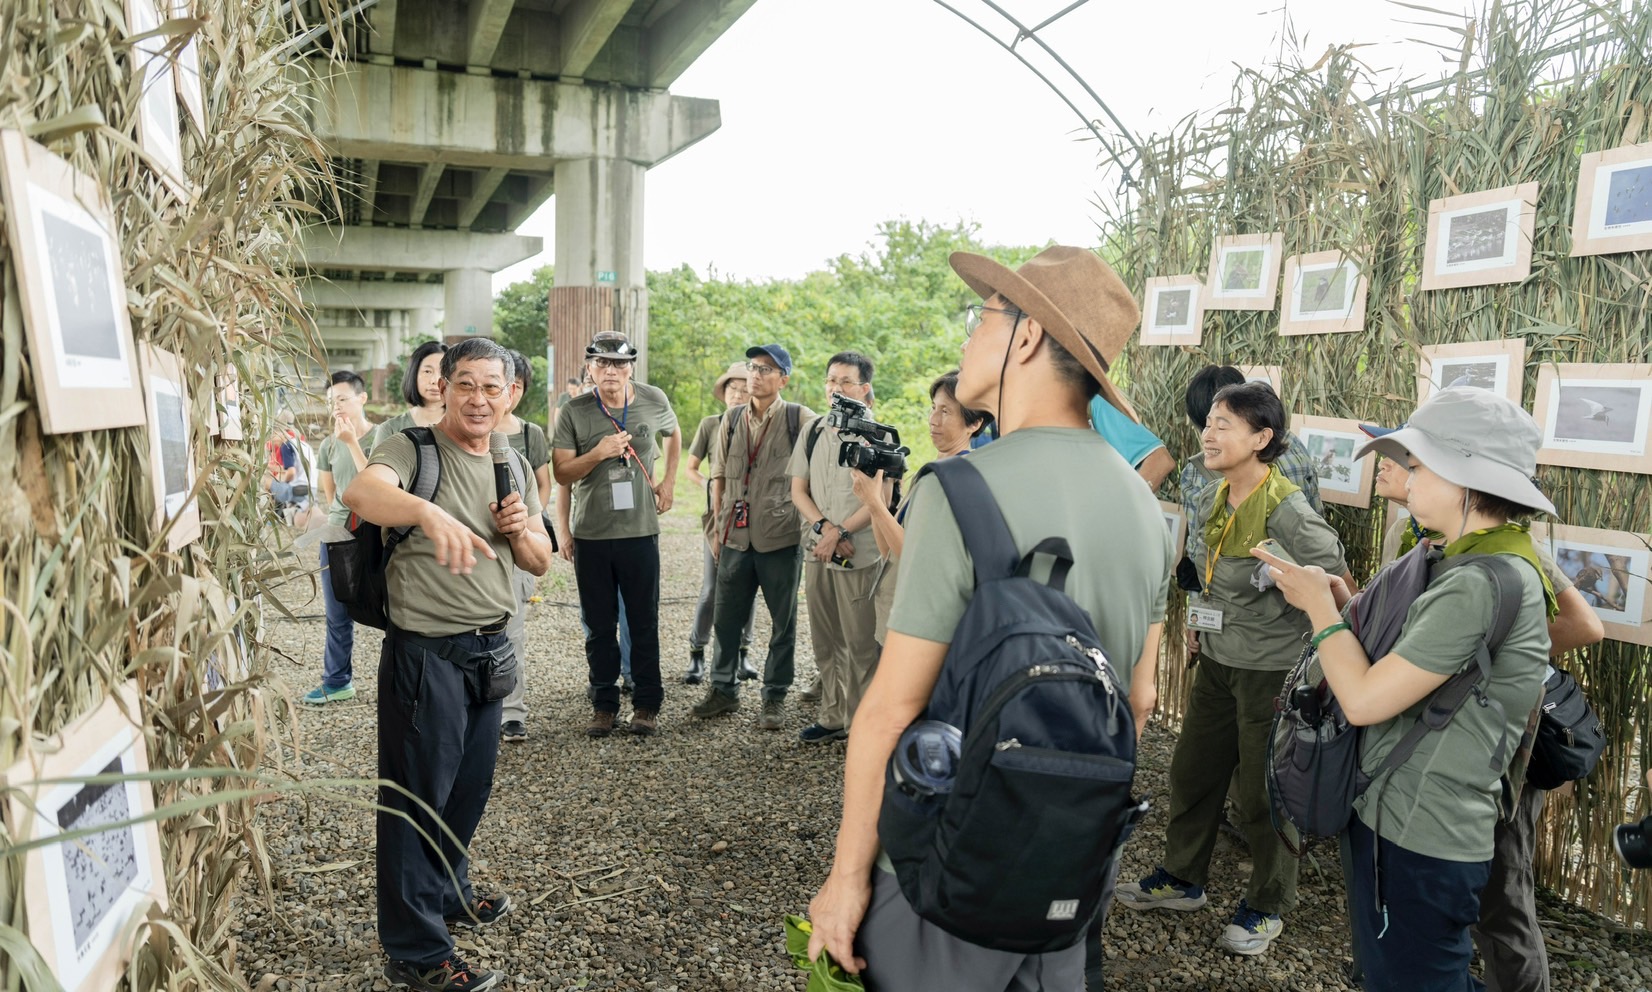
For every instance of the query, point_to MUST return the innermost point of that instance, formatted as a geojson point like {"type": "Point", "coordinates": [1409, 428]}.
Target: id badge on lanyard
{"type": "Point", "coordinates": [623, 487]}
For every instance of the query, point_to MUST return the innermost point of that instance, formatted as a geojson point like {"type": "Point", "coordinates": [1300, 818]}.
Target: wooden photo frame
{"type": "Point", "coordinates": [72, 286]}
{"type": "Point", "coordinates": [1175, 521]}
{"type": "Point", "coordinates": [1173, 311]}
{"type": "Point", "coordinates": [171, 448]}
{"type": "Point", "coordinates": [1324, 294]}
{"type": "Point", "coordinates": [1610, 568]}
{"type": "Point", "coordinates": [87, 896]}
{"type": "Point", "coordinates": [1595, 416]}
{"type": "Point", "coordinates": [1273, 375]}
{"type": "Point", "coordinates": [158, 127]}
{"type": "Point", "coordinates": [1480, 239]}
{"type": "Point", "coordinates": [1496, 366]}
{"type": "Point", "coordinates": [224, 416]}
{"type": "Point", "coordinates": [1244, 272]}
{"type": "Point", "coordinates": [1614, 201]}
{"type": "Point", "coordinates": [1331, 442]}
{"type": "Point", "coordinates": [186, 72]}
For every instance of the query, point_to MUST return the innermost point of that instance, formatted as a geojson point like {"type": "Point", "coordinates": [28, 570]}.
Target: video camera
{"type": "Point", "coordinates": [1634, 843]}
{"type": "Point", "coordinates": [873, 447]}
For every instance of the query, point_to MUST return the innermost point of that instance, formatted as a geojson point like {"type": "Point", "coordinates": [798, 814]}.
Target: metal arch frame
{"type": "Point", "coordinates": [1022, 33]}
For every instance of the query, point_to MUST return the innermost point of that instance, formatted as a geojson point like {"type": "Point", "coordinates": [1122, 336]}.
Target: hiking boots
{"type": "Point", "coordinates": [746, 671]}
{"type": "Point", "coordinates": [483, 910]}
{"type": "Point", "coordinates": [645, 723]}
{"type": "Point", "coordinates": [602, 724]}
{"type": "Point", "coordinates": [1160, 890]}
{"type": "Point", "coordinates": [715, 704]}
{"type": "Point", "coordinates": [513, 732]}
{"type": "Point", "coordinates": [1251, 931]}
{"type": "Point", "coordinates": [772, 716]}
{"type": "Point", "coordinates": [812, 693]}
{"type": "Point", "coordinates": [696, 668]}
{"type": "Point", "coordinates": [452, 975]}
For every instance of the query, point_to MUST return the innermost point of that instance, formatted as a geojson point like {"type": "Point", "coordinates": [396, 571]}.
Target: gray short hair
{"type": "Point", "coordinates": [477, 350]}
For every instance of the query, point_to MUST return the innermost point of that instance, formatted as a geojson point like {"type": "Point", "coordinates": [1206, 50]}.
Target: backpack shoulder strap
{"type": "Point", "coordinates": [814, 438]}
{"type": "Point", "coordinates": [986, 536]}
{"type": "Point", "coordinates": [731, 420]}
{"type": "Point", "coordinates": [794, 421]}
{"type": "Point", "coordinates": [427, 474]}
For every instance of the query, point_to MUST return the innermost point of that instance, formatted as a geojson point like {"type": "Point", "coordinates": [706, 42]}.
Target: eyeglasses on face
{"type": "Point", "coordinates": [976, 312]}
{"type": "Point", "coordinates": [492, 390]}
{"type": "Point", "coordinates": [761, 370]}
{"type": "Point", "coordinates": [836, 383]}
{"type": "Point", "coordinates": [611, 363]}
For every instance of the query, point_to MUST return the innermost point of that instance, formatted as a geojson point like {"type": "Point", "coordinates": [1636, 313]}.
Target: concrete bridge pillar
{"type": "Point", "coordinates": [600, 281]}
{"type": "Point", "coordinates": [467, 303]}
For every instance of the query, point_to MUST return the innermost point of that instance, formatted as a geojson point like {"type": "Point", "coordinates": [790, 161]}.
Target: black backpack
{"type": "Point", "coordinates": [1014, 858]}
{"type": "Point", "coordinates": [356, 566]}
{"type": "Point", "coordinates": [1314, 773]}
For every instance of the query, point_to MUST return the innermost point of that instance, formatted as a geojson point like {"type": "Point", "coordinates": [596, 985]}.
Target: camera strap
{"type": "Point", "coordinates": [752, 452]}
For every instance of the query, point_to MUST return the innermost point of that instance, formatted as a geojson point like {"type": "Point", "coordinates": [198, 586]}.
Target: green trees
{"type": "Point", "coordinates": [521, 320]}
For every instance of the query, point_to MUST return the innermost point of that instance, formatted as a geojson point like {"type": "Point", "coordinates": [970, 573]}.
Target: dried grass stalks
{"type": "Point", "coordinates": [1301, 151]}
{"type": "Point", "coordinates": [88, 595]}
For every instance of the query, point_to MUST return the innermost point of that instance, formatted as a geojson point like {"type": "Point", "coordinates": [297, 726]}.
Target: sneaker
{"type": "Point", "coordinates": [1160, 890]}
{"type": "Point", "coordinates": [814, 733]}
{"type": "Point", "coordinates": [483, 910]}
{"type": "Point", "coordinates": [601, 725]}
{"type": "Point", "coordinates": [1251, 932]}
{"type": "Point", "coordinates": [715, 704]}
{"type": "Point", "coordinates": [513, 732]}
{"type": "Point", "coordinates": [645, 723]}
{"type": "Point", "coordinates": [321, 695]}
{"type": "Point", "coordinates": [772, 716]}
{"type": "Point", "coordinates": [812, 693]}
{"type": "Point", "coordinates": [747, 672]}
{"type": "Point", "coordinates": [452, 975]}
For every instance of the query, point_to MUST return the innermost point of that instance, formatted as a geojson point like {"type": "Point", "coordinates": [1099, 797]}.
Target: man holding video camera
{"type": "Point", "coordinates": [838, 547]}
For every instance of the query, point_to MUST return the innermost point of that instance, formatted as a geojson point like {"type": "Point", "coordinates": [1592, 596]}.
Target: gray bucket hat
{"type": "Point", "coordinates": [1475, 439]}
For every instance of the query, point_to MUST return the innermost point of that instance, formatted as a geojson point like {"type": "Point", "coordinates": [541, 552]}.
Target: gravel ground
{"type": "Point", "coordinates": [668, 863]}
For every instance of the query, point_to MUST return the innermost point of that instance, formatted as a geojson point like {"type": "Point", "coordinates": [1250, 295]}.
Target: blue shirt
{"type": "Point", "coordinates": [1130, 439]}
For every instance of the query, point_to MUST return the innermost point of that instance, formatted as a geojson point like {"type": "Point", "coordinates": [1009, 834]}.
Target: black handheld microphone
{"type": "Point", "coordinates": [504, 482]}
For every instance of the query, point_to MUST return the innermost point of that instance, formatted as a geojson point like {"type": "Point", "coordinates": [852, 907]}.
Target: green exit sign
{"type": "Point", "coordinates": [607, 277]}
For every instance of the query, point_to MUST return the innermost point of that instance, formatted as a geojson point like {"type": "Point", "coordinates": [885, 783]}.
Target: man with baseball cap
{"type": "Point", "coordinates": [731, 391]}
{"type": "Point", "coordinates": [605, 449]}
{"type": "Point", "coordinates": [1040, 345]}
{"type": "Point", "coordinates": [757, 533]}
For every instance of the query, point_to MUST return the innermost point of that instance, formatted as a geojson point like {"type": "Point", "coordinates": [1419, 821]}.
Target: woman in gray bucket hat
{"type": "Point", "coordinates": [1429, 823]}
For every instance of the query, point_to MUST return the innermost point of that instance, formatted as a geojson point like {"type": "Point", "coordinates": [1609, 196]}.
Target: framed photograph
{"type": "Point", "coordinates": [1273, 375]}
{"type": "Point", "coordinates": [1497, 366]}
{"type": "Point", "coordinates": [1331, 442]}
{"type": "Point", "coordinates": [1595, 416]}
{"type": "Point", "coordinates": [1609, 569]}
{"type": "Point", "coordinates": [1244, 272]}
{"type": "Point", "coordinates": [1614, 201]}
{"type": "Point", "coordinates": [1175, 521]}
{"type": "Point", "coordinates": [171, 453]}
{"type": "Point", "coordinates": [1480, 239]}
{"type": "Point", "coordinates": [72, 287]}
{"type": "Point", "coordinates": [1173, 311]}
{"type": "Point", "coordinates": [224, 421]}
{"type": "Point", "coordinates": [158, 110]}
{"type": "Point", "coordinates": [1324, 294]}
{"type": "Point", "coordinates": [85, 895]}
{"type": "Point", "coordinates": [186, 72]}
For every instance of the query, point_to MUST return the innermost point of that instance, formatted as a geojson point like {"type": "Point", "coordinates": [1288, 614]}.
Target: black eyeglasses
{"type": "Point", "coordinates": [976, 312]}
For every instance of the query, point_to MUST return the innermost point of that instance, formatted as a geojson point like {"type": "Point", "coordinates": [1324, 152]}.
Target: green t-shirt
{"type": "Point", "coordinates": [1049, 482]}
{"type": "Point", "coordinates": [1442, 803]}
{"type": "Point", "coordinates": [531, 444]}
{"type": "Point", "coordinates": [334, 456]}
{"type": "Point", "coordinates": [1260, 631]}
{"type": "Point", "coordinates": [596, 514]}
{"type": "Point", "coordinates": [395, 425]}
{"type": "Point", "coordinates": [832, 487]}
{"type": "Point", "coordinates": [425, 597]}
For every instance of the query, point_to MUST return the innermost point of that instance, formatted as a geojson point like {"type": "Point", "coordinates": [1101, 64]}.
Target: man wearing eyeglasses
{"type": "Point", "coordinates": [446, 665]}
{"type": "Point", "coordinates": [605, 449]}
{"type": "Point", "coordinates": [756, 541]}
{"type": "Point", "coordinates": [839, 558]}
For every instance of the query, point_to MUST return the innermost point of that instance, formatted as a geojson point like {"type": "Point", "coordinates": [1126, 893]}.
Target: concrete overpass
{"type": "Point", "coordinates": [455, 120]}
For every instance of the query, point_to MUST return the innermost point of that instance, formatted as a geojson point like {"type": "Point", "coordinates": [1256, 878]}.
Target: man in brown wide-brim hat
{"type": "Point", "coordinates": [1040, 346]}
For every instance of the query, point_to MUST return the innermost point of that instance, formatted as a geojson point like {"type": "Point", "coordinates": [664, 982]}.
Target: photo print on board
{"type": "Point", "coordinates": [1480, 239]}
{"type": "Point", "coordinates": [1610, 571]}
{"type": "Point", "coordinates": [158, 109]}
{"type": "Point", "coordinates": [171, 453]}
{"type": "Point", "coordinates": [1497, 366]}
{"type": "Point", "coordinates": [1324, 294]}
{"type": "Point", "coordinates": [1331, 443]}
{"type": "Point", "coordinates": [1244, 272]}
{"type": "Point", "coordinates": [1595, 416]}
{"type": "Point", "coordinates": [1175, 521]}
{"type": "Point", "coordinates": [1173, 311]}
{"type": "Point", "coordinates": [1614, 201]}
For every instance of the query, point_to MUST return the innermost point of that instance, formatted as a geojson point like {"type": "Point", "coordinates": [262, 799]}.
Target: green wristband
{"type": "Point", "coordinates": [1340, 625]}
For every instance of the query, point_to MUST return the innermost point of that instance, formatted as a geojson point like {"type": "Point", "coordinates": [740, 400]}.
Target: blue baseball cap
{"type": "Point", "coordinates": [1372, 430]}
{"type": "Point", "coordinates": [782, 358]}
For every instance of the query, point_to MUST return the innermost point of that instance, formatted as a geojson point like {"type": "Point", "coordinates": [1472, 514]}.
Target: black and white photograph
{"type": "Point", "coordinates": [171, 449]}
{"type": "Point", "coordinates": [1595, 416]}
{"type": "Point", "coordinates": [97, 869]}
{"type": "Point", "coordinates": [1172, 311]}
{"type": "Point", "coordinates": [1600, 414]}
{"type": "Point", "coordinates": [1479, 236]}
{"type": "Point", "coordinates": [79, 274]}
{"type": "Point", "coordinates": [1244, 272]}
{"type": "Point", "coordinates": [1480, 239]}
{"type": "Point", "coordinates": [1331, 443]}
{"type": "Point", "coordinates": [1614, 201]}
{"type": "Point", "coordinates": [1495, 366]}
{"type": "Point", "coordinates": [173, 422]}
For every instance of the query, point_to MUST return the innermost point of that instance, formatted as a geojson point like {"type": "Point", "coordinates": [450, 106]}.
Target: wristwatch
{"type": "Point", "coordinates": [822, 522]}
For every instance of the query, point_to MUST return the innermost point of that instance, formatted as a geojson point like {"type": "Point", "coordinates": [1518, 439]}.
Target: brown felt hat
{"type": "Point", "coordinates": [735, 371]}
{"type": "Point", "coordinates": [1073, 295]}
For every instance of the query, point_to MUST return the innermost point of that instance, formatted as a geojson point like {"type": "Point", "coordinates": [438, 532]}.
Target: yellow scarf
{"type": "Point", "coordinates": [1507, 539]}
{"type": "Point", "coordinates": [1232, 535]}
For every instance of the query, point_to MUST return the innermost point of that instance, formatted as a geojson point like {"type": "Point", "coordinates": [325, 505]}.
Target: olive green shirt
{"type": "Point", "coordinates": [597, 515]}
{"type": "Point", "coordinates": [531, 444]}
{"type": "Point", "coordinates": [832, 487]}
{"type": "Point", "coordinates": [425, 598]}
{"type": "Point", "coordinates": [1558, 579]}
{"type": "Point", "coordinates": [1442, 803]}
{"type": "Point", "coordinates": [766, 447]}
{"type": "Point", "coordinates": [1049, 482]}
{"type": "Point", "coordinates": [334, 456]}
{"type": "Point", "coordinates": [1260, 631]}
{"type": "Point", "coordinates": [702, 447]}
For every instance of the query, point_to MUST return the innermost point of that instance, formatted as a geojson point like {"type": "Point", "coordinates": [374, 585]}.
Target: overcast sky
{"type": "Point", "coordinates": [839, 114]}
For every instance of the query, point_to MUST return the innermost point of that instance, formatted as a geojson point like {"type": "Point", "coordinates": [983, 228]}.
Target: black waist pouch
{"type": "Point", "coordinates": [489, 675]}
{"type": "Point", "coordinates": [1569, 736]}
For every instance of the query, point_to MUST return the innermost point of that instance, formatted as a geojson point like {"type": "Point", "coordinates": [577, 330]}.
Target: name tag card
{"type": "Point", "coordinates": [1204, 618]}
{"type": "Point", "coordinates": [623, 489]}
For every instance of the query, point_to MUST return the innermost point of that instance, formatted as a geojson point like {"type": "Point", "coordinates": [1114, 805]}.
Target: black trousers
{"type": "Point", "coordinates": [607, 571]}
{"type": "Point", "coordinates": [740, 574]}
{"type": "Point", "coordinates": [440, 744]}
